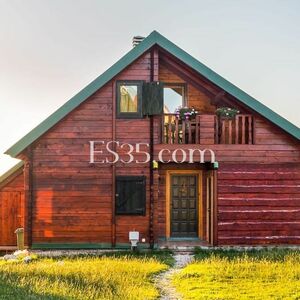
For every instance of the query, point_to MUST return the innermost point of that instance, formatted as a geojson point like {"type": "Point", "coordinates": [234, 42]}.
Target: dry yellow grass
{"type": "Point", "coordinates": [264, 275]}
{"type": "Point", "coordinates": [81, 278]}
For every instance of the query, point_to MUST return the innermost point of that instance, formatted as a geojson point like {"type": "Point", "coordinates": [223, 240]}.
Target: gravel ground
{"type": "Point", "coordinates": [70, 253]}
{"type": "Point", "coordinates": [163, 280]}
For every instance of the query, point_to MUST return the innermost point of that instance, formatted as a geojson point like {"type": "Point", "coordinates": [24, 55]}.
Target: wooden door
{"type": "Point", "coordinates": [11, 217]}
{"type": "Point", "coordinates": [184, 205]}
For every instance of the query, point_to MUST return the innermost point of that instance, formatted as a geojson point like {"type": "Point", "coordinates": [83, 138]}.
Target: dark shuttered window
{"type": "Point", "coordinates": [130, 195]}
{"type": "Point", "coordinates": [153, 98]}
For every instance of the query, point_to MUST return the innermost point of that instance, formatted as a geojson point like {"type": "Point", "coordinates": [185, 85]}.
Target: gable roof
{"type": "Point", "coordinates": [131, 56]}
{"type": "Point", "coordinates": [10, 172]}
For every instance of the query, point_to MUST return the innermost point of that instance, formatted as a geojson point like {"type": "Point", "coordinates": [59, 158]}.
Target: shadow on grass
{"type": "Point", "coordinates": [9, 291]}
{"type": "Point", "coordinates": [271, 254]}
{"type": "Point", "coordinates": [162, 256]}
{"type": "Point", "coordinates": [36, 284]}
{"type": "Point", "coordinates": [10, 285]}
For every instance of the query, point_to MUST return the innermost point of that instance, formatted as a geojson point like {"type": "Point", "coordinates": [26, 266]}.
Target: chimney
{"type": "Point", "coordinates": [136, 40]}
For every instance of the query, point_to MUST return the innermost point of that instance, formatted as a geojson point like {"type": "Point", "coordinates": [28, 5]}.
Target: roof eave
{"type": "Point", "coordinates": [89, 90]}
{"type": "Point", "coordinates": [230, 88]}
{"type": "Point", "coordinates": [127, 59]}
{"type": "Point", "coordinates": [11, 171]}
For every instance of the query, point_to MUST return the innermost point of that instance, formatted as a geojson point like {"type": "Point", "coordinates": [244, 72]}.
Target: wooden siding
{"type": "Point", "coordinates": [196, 98]}
{"type": "Point", "coordinates": [239, 153]}
{"type": "Point", "coordinates": [11, 209]}
{"type": "Point", "coordinates": [258, 204]}
{"type": "Point", "coordinates": [135, 131]}
{"type": "Point", "coordinates": [268, 134]}
{"type": "Point", "coordinates": [73, 200]}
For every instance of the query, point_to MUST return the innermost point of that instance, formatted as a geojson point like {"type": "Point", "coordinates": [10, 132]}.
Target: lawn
{"type": "Point", "coordinates": [273, 274]}
{"type": "Point", "coordinates": [112, 276]}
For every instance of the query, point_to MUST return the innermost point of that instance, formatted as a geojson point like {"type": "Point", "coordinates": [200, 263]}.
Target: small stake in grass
{"type": "Point", "coordinates": [20, 238]}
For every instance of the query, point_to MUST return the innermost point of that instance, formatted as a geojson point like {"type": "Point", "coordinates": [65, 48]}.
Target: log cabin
{"type": "Point", "coordinates": [151, 146]}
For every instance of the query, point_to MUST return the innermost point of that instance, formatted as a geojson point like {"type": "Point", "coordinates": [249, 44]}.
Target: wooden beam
{"type": "Point", "coordinates": [188, 78]}
{"type": "Point", "coordinates": [28, 196]}
{"type": "Point", "coordinates": [217, 97]}
{"type": "Point", "coordinates": [199, 79]}
{"type": "Point", "coordinates": [113, 196]}
{"type": "Point", "coordinates": [151, 133]}
{"type": "Point", "coordinates": [215, 212]}
{"type": "Point", "coordinates": [164, 55]}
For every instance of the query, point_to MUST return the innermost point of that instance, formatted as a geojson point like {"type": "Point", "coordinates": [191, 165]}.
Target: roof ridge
{"type": "Point", "coordinates": [153, 38]}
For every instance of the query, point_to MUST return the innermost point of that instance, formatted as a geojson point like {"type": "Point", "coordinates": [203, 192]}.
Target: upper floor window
{"type": "Point", "coordinates": [129, 99]}
{"type": "Point", "coordinates": [174, 96]}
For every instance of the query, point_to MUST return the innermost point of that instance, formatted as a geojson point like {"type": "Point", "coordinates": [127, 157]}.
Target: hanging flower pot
{"type": "Point", "coordinates": [227, 113]}
{"type": "Point", "coordinates": [185, 113]}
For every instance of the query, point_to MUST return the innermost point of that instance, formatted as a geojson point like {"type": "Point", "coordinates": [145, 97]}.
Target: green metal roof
{"type": "Point", "coordinates": [133, 54]}
{"type": "Point", "coordinates": [11, 171]}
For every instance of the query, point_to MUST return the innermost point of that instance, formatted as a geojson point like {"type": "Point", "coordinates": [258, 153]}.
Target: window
{"type": "Point", "coordinates": [129, 99]}
{"type": "Point", "coordinates": [130, 195]}
{"type": "Point", "coordinates": [174, 96]}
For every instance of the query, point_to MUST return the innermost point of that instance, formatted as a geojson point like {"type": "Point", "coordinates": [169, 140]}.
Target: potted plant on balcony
{"type": "Point", "coordinates": [185, 113]}
{"type": "Point", "coordinates": [227, 113]}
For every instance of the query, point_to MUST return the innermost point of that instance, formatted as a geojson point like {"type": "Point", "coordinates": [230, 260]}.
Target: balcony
{"type": "Point", "coordinates": [207, 129]}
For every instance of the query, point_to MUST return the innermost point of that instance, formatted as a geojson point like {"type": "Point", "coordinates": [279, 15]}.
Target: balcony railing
{"type": "Point", "coordinates": [236, 131]}
{"type": "Point", "coordinates": [207, 129]}
{"type": "Point", "coordinates": [176, 131]}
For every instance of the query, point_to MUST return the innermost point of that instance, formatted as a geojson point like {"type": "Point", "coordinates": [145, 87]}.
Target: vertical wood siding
{"type": "Point", "coordinates": [11, 210]}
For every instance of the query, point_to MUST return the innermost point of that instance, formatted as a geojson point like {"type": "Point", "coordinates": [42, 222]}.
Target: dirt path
{"type": "Point", "coordinates": [163, 280]}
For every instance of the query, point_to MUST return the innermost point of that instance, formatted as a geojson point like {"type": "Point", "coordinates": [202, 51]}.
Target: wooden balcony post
{"type": "Point", "coordinates": [176, 131]}
{"type": "Point", "coordinates": [197, 130]}
{"type": "Point", "coordinates": [249, 129]}
{"type": "Point", "coordinates": [183, 132]}
{"type": "Point", "coordinates": [207, 129]}
{"type": "Point", "coordinates": [237, 129]}
{"type": "Point", "coordinates": [243, 129]}
{"type": "Point", "coordinates": [229, 131]}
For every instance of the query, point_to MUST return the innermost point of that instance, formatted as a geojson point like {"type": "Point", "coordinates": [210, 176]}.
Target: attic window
{"type": "Point", "coordinates": [129, 99]}
{"type": "Point", "coordinates": [174, 96]}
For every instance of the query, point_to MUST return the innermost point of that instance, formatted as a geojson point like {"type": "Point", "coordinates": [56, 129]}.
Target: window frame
{"type": "Point", "coordinates": [129, 115]}
{"type": "Point", "coordinates": [126, 179]}
{"type": "Point", "coordinates": [177, 84]}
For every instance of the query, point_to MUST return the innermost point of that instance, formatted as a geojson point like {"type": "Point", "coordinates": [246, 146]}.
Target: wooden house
{"type": "Point", "coordinates": [119, 157]}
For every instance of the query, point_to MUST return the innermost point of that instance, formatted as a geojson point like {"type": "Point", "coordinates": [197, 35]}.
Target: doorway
{"type": "Point", "coordinates": [191, 205]}
{"type": "Point", "coordinates": [184, 205]}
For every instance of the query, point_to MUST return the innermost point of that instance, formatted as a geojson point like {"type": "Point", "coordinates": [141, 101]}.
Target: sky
{"type": "Point", "coordinates": [51, 49]}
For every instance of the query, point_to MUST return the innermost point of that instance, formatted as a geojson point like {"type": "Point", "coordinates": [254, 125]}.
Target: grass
{"type": "Point", "coordinates": [113, 276]}
{"type": "Point", "coordinates": [264, 274]}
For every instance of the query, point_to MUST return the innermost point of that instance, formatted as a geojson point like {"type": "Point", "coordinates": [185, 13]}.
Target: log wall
{"type": "Point", "coordinates": [259, 204]}
{"type": "Point", "coordinates": [73, 198]}
{"type": "Point", "coordinates": [258, 185]}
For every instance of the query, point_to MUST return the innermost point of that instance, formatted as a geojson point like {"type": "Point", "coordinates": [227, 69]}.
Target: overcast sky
{"type": "Point", "coordinates": [51, 49]}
